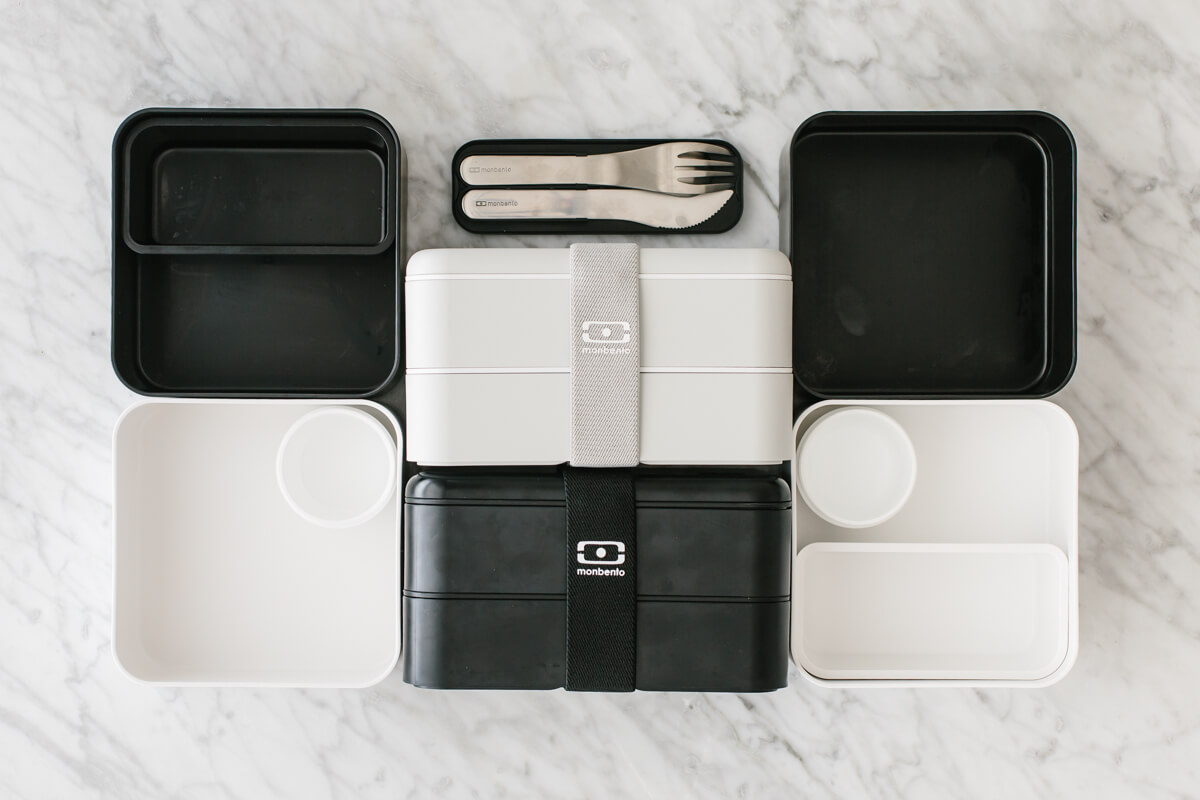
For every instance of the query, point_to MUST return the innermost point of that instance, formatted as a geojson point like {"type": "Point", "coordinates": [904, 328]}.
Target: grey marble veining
{"type": "Point", "coordinates": [1126, 78]}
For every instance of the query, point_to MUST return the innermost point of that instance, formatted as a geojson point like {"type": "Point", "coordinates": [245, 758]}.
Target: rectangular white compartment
{"type": "Point", "coordinates": [217, 581]}
{"type": "Point", "coordinates": [488, 354]}
{"type": "Point", "coordinates": [989, 533]}
{"type": "Point", "coordinates": [930, 611]}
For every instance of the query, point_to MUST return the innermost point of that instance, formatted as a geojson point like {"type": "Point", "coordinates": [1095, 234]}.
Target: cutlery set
{"type": "Point", "coordinates": [610, 468]}
{"type": "Point", "coordinates": [583, 186]}
{"type": "Point", "coordinates": [671, 185]}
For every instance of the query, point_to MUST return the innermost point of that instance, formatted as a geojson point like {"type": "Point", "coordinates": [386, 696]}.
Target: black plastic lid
{"type": "Point", "coordinates": [675, 488]}
{"type": "Point", "coordinates": [505, 535]}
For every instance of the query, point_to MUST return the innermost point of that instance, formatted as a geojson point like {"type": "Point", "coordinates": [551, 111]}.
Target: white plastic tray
{"type": "Point", "coordinates": [993, 510]}
{"type": "Point", "coordinates": [217, 581]}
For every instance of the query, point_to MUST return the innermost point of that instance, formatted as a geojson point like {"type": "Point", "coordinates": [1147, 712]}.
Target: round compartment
{"type": "Point", "coordinates": [337, 467]}
{"type": "Point", "coordinates": [856, 467]}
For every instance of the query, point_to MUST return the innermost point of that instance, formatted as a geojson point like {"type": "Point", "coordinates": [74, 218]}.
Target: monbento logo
{"type": "Point", "coordinates": [602, 558]}
{"type": "Point", "coordinates": [599, 338]}
{"type": "Point", "coordinates": [606, 332]}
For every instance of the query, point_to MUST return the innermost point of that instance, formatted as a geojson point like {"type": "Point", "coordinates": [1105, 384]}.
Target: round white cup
{"type": "Point", "coordinates": [856, 467]}
{"type": "Point", "coordinates": [336, 466]}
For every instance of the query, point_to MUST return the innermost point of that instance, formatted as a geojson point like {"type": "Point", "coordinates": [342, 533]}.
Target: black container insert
{"type": "Point", "coordinates": [933, 254]}
{"type": "Point", "coordinates": [256, 252]}
{"type": "Point", "coordinates": [485, 580]}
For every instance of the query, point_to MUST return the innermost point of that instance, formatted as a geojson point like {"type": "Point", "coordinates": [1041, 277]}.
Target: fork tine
{"type": "Point", "coordinates": [715, 158]}
{"type": "Point", "coordinates": [705, 188]}
{"type": "Point", "coordinates": [704, 163]}
{"type": "Point", "coordinates": [689, 174]}
{"type": "Point", "coordinates": [704, 147]}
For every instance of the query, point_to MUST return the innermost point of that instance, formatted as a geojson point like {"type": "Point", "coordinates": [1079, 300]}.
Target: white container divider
{"type": "Point", "coordinates": [217, 580]}
{"type": "Point", "coordinates": [856, 467]}
{"type": "Point", "coordinates": [930, 611]}
{"type": "Point", "coordinates": [337, 466]}
{"type": "Point", "coordinates": [989, 533]}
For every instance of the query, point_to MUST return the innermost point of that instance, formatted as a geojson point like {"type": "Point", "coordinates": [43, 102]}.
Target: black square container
{"type": "Point", "coordinates": [933, 254]}
{"type": "Point", "coordinates": [485, 562]}
{"type": "Point", "coordinates": [257, 252]}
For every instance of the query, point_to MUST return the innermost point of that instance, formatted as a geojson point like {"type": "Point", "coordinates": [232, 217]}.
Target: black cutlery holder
{"type": "Point", "coordinates": [723, 220]}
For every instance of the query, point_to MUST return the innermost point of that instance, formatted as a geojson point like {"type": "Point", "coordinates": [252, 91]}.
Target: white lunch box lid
{"type": "Point", "coordinates": [509, 310]}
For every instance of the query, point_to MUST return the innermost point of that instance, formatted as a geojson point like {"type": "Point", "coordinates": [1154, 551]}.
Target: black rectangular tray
{"type": "Point", "coordinates": [485, 579]}
{"type": "Point", "coordinates": [933, 254]}
{"type": "Point", "coordinates": [257, 252]}
{"type": "Point", "coordinates": [720, 222]}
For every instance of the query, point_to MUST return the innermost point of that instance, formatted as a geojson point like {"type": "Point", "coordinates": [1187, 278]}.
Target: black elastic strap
{"type": "Point", "coordinates": [601, 580]}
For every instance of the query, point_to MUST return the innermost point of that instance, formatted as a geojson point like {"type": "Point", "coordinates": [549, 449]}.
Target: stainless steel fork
{"type": "Point", "coordinates": [678, 168]}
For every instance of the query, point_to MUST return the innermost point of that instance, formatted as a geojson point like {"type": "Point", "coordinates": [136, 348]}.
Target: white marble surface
{"type": "Point", "coordinates": [1124, 75]}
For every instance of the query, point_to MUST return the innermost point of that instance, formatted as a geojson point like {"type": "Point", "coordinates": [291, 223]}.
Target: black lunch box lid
{"type": "Point", "coordinates": [256, 252]}
{"type": "Point", "coordinates": [485, 566]}
{"type": "Point", "coordinates": [933, 254]}
{"type": "Point", "coordinates": [709, 557]}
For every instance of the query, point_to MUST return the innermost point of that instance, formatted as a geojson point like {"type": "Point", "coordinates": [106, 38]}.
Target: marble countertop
{"type": "Point", "coordinates": [1124, 76]}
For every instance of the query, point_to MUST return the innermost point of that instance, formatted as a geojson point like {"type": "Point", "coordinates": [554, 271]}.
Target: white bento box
{"type": "Point", "coordinates": [488, 354]}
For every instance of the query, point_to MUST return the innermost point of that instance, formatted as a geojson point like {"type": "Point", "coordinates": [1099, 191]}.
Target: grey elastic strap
{"type": "Point", "coordinates": [605, 356]}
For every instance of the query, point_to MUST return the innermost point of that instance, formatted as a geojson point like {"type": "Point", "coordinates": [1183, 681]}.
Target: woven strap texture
{"type": "Point", "coordinates": [605, 355]}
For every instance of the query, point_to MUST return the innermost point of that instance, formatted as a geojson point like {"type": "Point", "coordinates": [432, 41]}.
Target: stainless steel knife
{"type": "Point", "coordinates": [632, 205]}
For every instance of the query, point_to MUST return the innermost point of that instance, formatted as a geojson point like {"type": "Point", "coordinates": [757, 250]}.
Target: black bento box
{"type": "Point", "coordinates": [485, 579]}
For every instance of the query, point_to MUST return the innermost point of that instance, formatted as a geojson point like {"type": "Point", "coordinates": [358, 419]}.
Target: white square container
{"type": "Point", "coordinates": [974, 581]}
{"type": "Point", "coordinates": [217, 581]}
{"type": "Point", "coordinates": [488, 354]}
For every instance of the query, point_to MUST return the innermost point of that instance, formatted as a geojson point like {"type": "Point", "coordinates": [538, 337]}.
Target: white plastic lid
{"type": "Point", "coordinates": [856, 467]}
{"type": "Point", "coordinates": [337, 467]}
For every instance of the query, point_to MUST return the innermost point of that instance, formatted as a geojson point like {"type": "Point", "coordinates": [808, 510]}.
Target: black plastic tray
{"type": "Point", "coordinates": [485, 581]}
{"type": "Point", "coordinates": [933, 254]}
{"type": "Point", "coordinates": [720, 222]}
{"type": "Point", "coordinates": [257, 252]}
